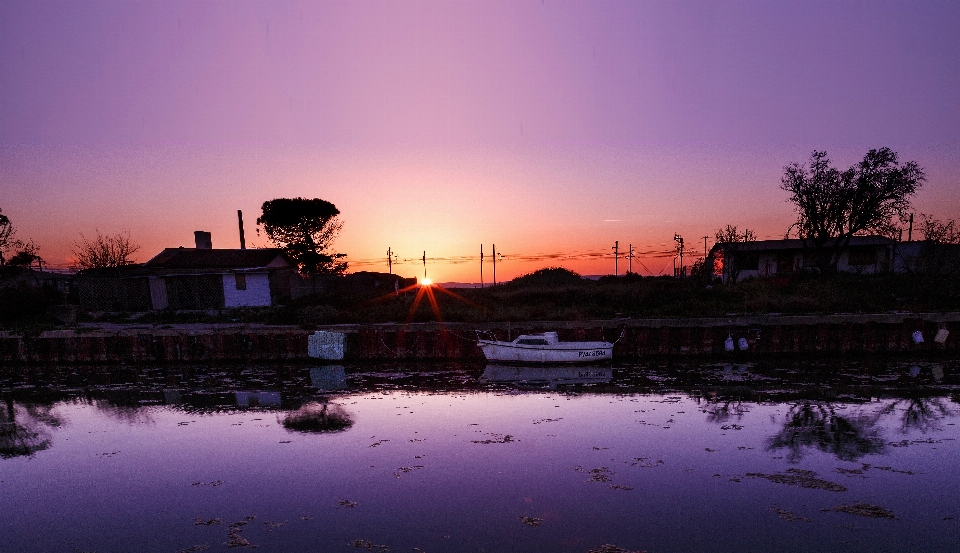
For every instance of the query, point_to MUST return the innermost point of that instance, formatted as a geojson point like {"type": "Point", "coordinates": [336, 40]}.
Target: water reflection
{"type": "Point", "coordinates": [720, 410]}
{"type": "Point", "coordinates": [318, 418]}
{"type": "Point", "coordinates": [920, 413]}
{"type": "Point", "coordinates": [461, 457]}
{"type": "Point", "coordinates": [817, 425]}
{"type": "Point", "coordinates": [329, 378]}
{"type": "Point", "coordinates": [816, 396]}
{"type": "Point", "coordinates": [548, 377]}
{"type": "Point", "coordinates": [257, 399]}
{"type": "Point", "coordinates": [24, 428]}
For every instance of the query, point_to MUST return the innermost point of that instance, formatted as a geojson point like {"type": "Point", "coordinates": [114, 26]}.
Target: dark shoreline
{"type": "Point", "coordinates": [766, 335]}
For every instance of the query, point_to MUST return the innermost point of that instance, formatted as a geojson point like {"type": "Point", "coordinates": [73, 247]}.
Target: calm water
{"type": "Point", "coordinates": [787, 457]}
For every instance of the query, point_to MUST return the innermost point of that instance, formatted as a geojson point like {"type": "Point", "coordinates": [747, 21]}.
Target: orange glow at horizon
{"type": "Point", "coordinates": [542, 207]}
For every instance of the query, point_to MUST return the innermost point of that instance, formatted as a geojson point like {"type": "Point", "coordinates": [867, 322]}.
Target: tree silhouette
{"type": "Point", "coordinates": [939, 232]}
{"type": "Point", "coordinates": [306, 229]}
{"type": "Point", "coordinates": [104, 251]}
{"type": "Point", "coordinates": [7, 233]}
{"type": "Point", "coordinates": [833, 206]}
{"type": "Point", "coordinates": [25, 253]}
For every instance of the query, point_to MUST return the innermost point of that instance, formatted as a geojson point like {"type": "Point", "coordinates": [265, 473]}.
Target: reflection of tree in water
{"type": "Point", "coordinates": [817, 425]}
{"type": "Point", "coordinates": [128, 414]}
{"type": "Point", "coordinates": [23, 428]}
{"type": "Point", "coordinates": [322, 417]}
{"type": "Point", "coordinates": [720, 410]}
{"type": "Point", "coordinates": [920, 413]}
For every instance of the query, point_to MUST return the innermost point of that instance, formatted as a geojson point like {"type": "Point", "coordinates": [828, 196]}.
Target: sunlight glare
{"type": "Point", "coordinates": [426, 282]}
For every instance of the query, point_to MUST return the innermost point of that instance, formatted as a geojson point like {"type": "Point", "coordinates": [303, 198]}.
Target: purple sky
{"type": "Point", "coordinates": [544, 127]}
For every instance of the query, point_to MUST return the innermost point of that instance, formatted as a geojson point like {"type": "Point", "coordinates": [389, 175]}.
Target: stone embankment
{"type": "Point", "coordinates": [634, 338]}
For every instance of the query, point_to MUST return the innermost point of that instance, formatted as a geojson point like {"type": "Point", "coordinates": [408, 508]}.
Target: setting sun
{"type": "Point", "coordinates": [425, 282]}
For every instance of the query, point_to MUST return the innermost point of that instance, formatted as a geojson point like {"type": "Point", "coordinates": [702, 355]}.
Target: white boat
{"type": "Point", "coordinates": [545, 348]}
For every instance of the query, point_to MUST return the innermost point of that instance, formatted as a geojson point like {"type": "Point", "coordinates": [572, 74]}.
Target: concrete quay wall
{"type": "Point", "coordinates": [634, 338]}
{"type": "Point", "coordinates": [197, 343]}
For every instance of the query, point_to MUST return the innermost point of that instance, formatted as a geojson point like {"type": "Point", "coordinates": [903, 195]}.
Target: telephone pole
{"type": "Point", "coordinates": [494, 264]}
{"type": "Point", "coordinates": [424, 264]}
{"type": "Point", "coordinates": [630, 270]}
{"type": "Point", "coordinates": [389, 260]}
{"type": "Point", "coordinates": [679, 240]}
{"type": "Point", "coordinates": [481, 265]}
{"type": "Point", "coordinates": [616, 257]}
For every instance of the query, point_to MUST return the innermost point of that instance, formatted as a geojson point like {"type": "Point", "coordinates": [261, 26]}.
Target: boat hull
{"type": "Point", "coordinates": [563, 352]}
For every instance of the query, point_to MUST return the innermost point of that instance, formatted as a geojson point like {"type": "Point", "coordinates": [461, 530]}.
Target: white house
{"type": "Point", "coordinates": [202, 278]}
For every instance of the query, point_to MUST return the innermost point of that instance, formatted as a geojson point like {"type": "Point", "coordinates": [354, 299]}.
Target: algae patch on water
{"type": "Point", "coordinates": [801, 478]}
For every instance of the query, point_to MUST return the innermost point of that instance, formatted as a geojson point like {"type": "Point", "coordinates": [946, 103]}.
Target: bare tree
{"type": "Point", "coordinates": [938, 231]}
{"type": "Point", "coordinates": [735, 245]}
{"type": "Point", "coordinates": [104, 251]}
{"type": "Point", "coordinates": [833, 206]}
{"type": "Point", "coordinates": [939, 254]}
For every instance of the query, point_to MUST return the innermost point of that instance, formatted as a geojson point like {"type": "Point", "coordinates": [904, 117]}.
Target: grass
{"type": "Point", "coordinates": [555, 296]}
{"type": "Point", "coordinates": [561, 295]}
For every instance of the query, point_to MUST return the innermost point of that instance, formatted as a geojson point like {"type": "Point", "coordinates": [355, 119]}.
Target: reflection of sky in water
{"type": "Point", "coordinates": [135, 479]}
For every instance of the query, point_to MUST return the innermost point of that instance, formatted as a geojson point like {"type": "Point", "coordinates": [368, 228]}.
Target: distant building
{"type": "Point", "coordinates": [191, 278]}
{"type": "Point", "coordinates": [768, 258]}
{"type": "Point", "coordinates": [205, 278]}
{"type": "Point", "coordinates": [927, 257]}
{"type": "Point", "coordinates": [182, 278]}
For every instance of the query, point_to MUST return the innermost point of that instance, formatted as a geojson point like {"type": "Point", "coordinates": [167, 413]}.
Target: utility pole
{"type": "Point", "coordinates": [424, 264]}
{"type": "Point", "coordinates": [679, 240]}
{"type": "Point", "coordinates": [910, 233]}
{"type": "Point", "coordinates": [616, 256]}
{"type": "Point", "coordinates": [631, 259]}
{"type": "Point", "coordinates": [243, 243]}
{"type": "Point", "coordinates": [705, 248]}
{"type": "Point", "coordinates": [481, 265]}
{"type": "Point", "coordinates": [494, 264]}
{"type": "Point", "coordinates": [389, 260]}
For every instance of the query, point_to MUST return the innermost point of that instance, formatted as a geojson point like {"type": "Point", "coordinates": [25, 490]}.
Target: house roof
{"type": "Point", "coordinates": [797, 244]}
{"type": "Point", "coordinates": [192, 259]}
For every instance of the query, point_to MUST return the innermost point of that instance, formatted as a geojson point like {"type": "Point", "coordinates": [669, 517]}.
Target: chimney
{"type": "Point", "coordinates": [203, 240]}
{"type": "Point", "coordinates": [243, 243]}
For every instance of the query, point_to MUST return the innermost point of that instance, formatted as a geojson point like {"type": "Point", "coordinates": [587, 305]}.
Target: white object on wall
{"type": "Point", "coordinates": [326, 345]}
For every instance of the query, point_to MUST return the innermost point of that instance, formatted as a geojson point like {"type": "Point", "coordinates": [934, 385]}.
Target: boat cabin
{"type": "Point", "coordinates": [545, 339]}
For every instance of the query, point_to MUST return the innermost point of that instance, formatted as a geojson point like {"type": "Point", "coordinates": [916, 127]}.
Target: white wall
{"type": "Point", "coordinates": [256, 294]}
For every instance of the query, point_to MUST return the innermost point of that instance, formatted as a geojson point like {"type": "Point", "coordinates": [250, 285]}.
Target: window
{"type": "Point", "coordinates": [532, 342]}
{"type": "Point", "coordinates": [785, 262]}
{"type": "Point", "coordinates": [241, 280]}
{"type": "Point", "coordinates": [746, 261]}
{"type": "Point", "coordinates": [863, 255]}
